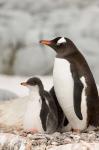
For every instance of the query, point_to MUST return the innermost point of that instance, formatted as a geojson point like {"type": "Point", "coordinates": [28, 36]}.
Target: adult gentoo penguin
{"type": "Point", "coordinates": [74, 84]}
{"type": "Point", "coordinates": [41, 113]}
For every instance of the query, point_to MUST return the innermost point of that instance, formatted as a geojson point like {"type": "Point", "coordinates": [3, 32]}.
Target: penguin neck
{"type": "Point", "coordinates": [36, 91]}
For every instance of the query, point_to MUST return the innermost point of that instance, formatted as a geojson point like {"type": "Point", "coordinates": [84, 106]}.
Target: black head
{"type": "Point", "coordinates": [59, 44]}
{"type": "Point", "coordinates": [33, 82]}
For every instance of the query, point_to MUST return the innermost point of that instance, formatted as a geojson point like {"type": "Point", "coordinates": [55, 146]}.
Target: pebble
{"type": "Point", "coordinates": [47, 141]}
{"type": "Point", "coordinates": [54, 143]}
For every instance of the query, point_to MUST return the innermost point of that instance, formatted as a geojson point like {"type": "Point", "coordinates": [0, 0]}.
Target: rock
{"type": "Point", "coordinates": [49, 142]}
{"type": "Point", "coordinates": [11, 141]}
{"type": "Point", "coordinates": [7, 95]}
{"type": "Point", "coordinates": [33, 61]}
{"type": "Point", "coordinates": [12, 31]}
{"type": "Point", "coordinates": [5, 57]}
{"type": "Point", "coordinates": [76, 146]}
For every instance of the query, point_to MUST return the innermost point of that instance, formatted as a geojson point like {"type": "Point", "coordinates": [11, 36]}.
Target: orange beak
{"type": "Point", "coordinates": [24, 83]}
{"type": "Point", "coordinates": [45, 42]}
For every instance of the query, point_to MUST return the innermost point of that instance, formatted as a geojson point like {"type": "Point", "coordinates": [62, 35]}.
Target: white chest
{"type": "Point", "coordinates": [32, 114]}
{"type": "Point", "coordinates": [64, 87]}
{"type": "Point", "coordinates": [63, 82]}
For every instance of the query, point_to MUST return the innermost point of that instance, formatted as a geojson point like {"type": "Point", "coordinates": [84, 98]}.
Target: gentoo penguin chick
{"type": "Point", "coordinates": [41, 113]}
{"type": "Point", "coordinates": [74, 84]}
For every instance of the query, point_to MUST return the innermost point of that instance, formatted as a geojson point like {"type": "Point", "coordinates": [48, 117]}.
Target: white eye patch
{"type": "Point", "coordinates": [61, 40]}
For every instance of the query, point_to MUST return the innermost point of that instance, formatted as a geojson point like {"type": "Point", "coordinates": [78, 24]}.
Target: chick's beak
{"type": "Point", "coordinates": [46, 42]}
{"type": "Point", "coordinates": [24, 83]}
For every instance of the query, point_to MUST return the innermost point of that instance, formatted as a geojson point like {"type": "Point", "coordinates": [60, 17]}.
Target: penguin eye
{"type": "Point", "coordinates": [34, 83]}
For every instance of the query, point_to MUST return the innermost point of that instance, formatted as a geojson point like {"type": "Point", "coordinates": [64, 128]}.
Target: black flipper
{"type": "Point", "coordinates": [44, 113]}
{"type": "Point", "coordinates": [78, 87]}
{"type": "Point", "coordinates": [62, 120]}
{"type": "Point", "coordinates": [52, 118]}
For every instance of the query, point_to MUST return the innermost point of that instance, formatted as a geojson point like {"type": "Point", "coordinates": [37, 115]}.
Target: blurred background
{"type": "Point", "coordinates": [24, 22]}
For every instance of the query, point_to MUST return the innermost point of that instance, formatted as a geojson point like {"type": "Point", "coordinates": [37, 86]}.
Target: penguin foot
{"type": "Point", "coordinates": [31, 131]}
{"type": "Point", "coordinates": [76, 130]}
{"type": "Point", "coordinates": [34, 130]}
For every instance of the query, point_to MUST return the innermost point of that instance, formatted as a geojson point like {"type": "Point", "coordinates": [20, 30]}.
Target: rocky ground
{"type": "Point", "coordinates": [19, 140]}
